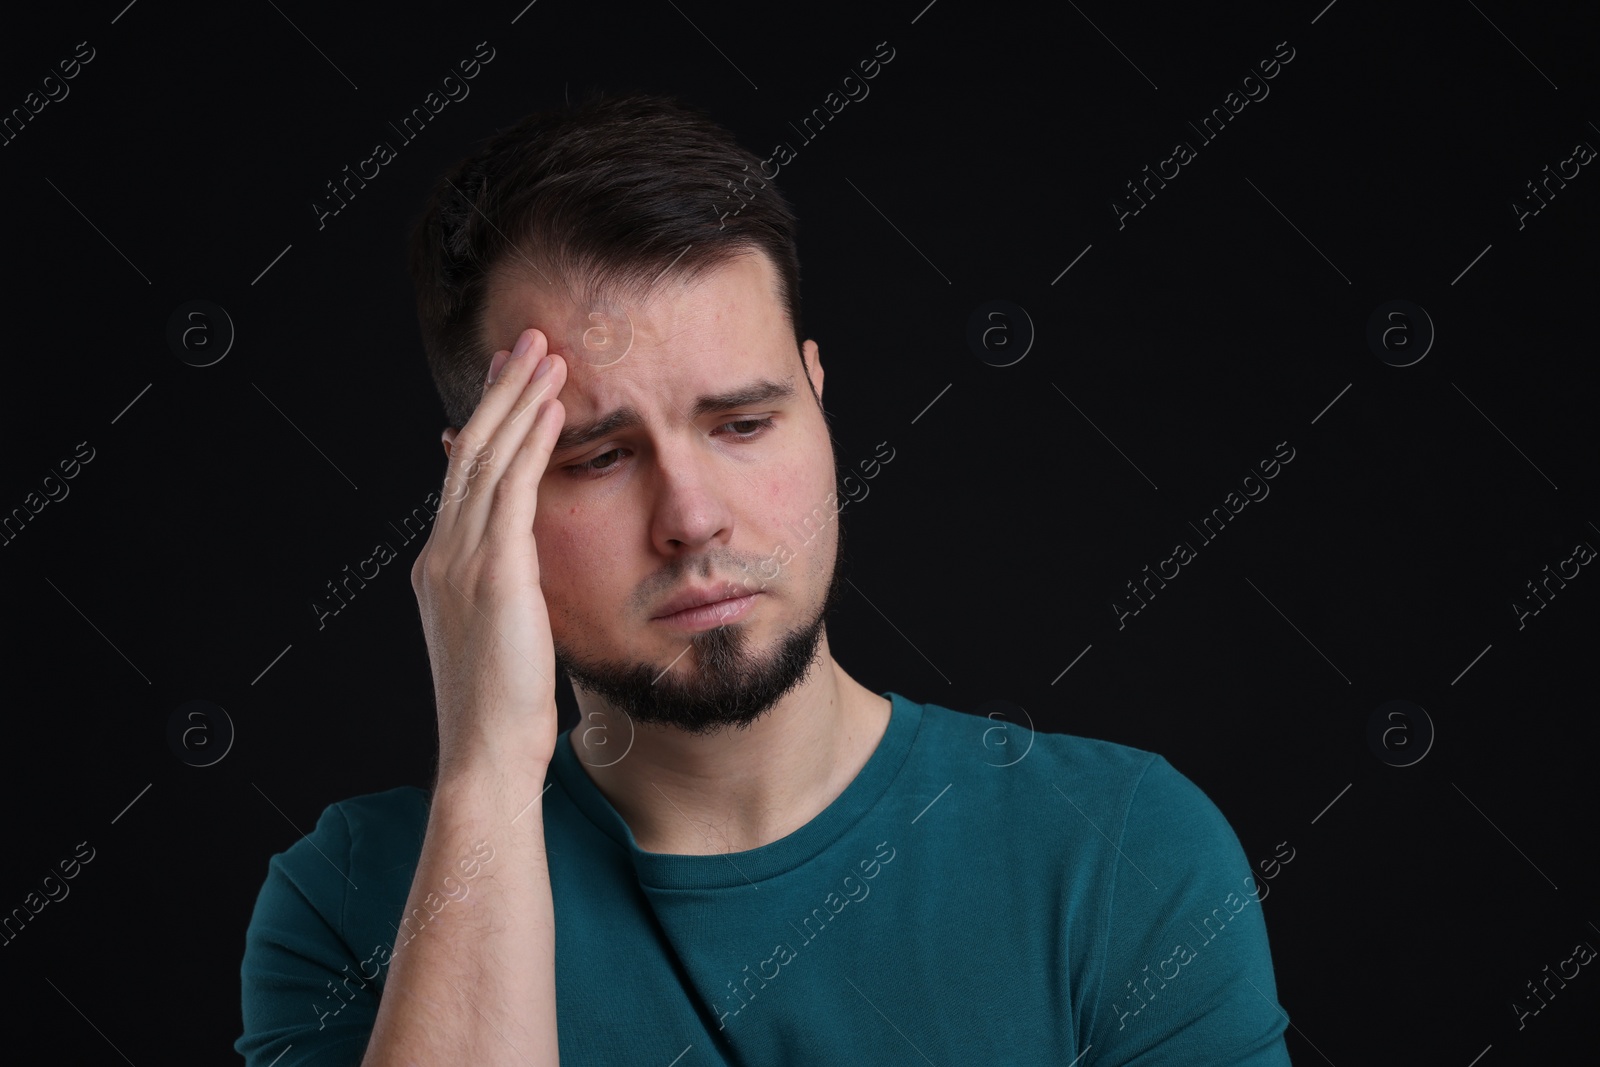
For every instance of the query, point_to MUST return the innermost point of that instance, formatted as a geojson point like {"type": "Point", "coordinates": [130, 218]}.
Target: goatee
{"type": "Point", "coordinates": [727, 685]}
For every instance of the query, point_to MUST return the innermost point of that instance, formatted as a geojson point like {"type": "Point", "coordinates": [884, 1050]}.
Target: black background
{"type": "Point", "coordinates": [1222, 319]}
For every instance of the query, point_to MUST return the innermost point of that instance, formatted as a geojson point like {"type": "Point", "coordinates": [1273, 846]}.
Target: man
{"type": "Point", "coordinates": [742, 855]}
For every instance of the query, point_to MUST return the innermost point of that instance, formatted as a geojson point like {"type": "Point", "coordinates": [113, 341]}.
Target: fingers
{"type": "Point", "coordinates": [516, 503]}
{"type": "Point", "coordinates": [491, 433]}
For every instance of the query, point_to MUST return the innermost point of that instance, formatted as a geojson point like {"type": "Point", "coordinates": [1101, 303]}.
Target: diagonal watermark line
{"type": "Point", "coordinates": [1102, 433]}
{"type": "Point", "coordinates": [932, 402]}
{"type": "Point", "coordinates": [529, 804]}
{"type": "Point", "coordinates": [1324, 11]}
{"type": "Point", "coordinates": [302, 433]}
{"type": "Point", "coordinates": [313, 44]}
{"type": "Point", "coordinates": [1300, 632]}
{"type": "Point", "coordinates": [100, 632]}
{"type": "Point", "coordinates": [1332, 402]}
{"type": "Point", "coordinates": [1331, 803]}
{"type": "Point", "coordinates": [278, 1057]}
{"type": "Point", "coordinates": [668, 267]}
{"type": "Point", "coordinates": [274, 263]}
{"type": "Point", "coordinates": [489, 1022]}
{"type": "Point", "coordinates": [1480, 1055]}
{"type": "Point", "coordinates": [1469, 666]}
{"type": "Point", "coordinates": [509, 243]}
{"type": "Point", "coordinates": [931, 803]}
{"type": "Point", "coordinates": [269, 666]}
{"type": "Point", "coordinates": [305, 837]}
{"type": "Point", "coordinates": [1113, 44]}
{"type": "Point", "coordinates": [1074, 263]}
{"type": "Point", "coordinates": [899, 631]}
{"type": "Point", "coordinates": [901, 232]}
{"type": "Point", "coordinates": [1080, 1055]}
{"type": "Point", "coordinates": [1102, 833]}
{"type": "Point", "coordinates": [121, 13]}
{"type": "Point", "coordinates": [524, 11]}
{"type": "Point", "coordinates": [924, 11]}
{"type": "Point", "coordinates": [131, 803]}
{"type": "Point", "coordinates": [97, 229]}
{"type": "Point", "coordinates": [703, 834]}
{"type": "Point", "coordinates": [90, 1021]}
{"type": "Point", "coordinates": [1502, 433]}
{"type": "Point", "coordinates": [1469, 266]}
{"type": "Point", "coordinates": [1298, 230]}
{"type": "Point", "coordinates": [1502, 833]}
{"type": "Point", "coordinates": [1286, 1018]}
{"type": "Point", "coordinates": [1513, 44]}
{"type": "Point", "coordinates": [887, 1020]}
{"type": "Point", "coordinates": [681, 1055]}
{"type": "Point", "coordinates": [668, 667]}
{"type": "Point", "coordinates": [132, 402]}
{"type": "Point", "coordinates": [713, 44]}
{"type": "Point", "coordinates": [1073, 664]}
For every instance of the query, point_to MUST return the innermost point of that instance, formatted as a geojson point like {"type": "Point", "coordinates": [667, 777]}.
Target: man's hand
{"type": "Point", "coordinates": [477, 578]}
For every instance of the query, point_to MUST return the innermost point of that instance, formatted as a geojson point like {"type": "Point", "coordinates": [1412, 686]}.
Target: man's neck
{"type": "Point", "coordinates": [737, 789]}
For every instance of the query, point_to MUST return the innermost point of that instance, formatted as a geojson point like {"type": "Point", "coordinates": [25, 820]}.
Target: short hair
{"type": "Point", "coordinates": [608, 195]}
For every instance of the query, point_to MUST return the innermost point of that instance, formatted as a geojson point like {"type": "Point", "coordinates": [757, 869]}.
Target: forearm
{"type": "Point", "coordinates": [472, 979]}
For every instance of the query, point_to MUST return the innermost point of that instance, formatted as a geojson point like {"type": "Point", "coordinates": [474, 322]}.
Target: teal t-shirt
{"type": "Point", "coordinates": [978, 894]}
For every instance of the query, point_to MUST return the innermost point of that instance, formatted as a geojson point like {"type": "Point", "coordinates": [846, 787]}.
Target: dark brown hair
{"type": "Point", "coordinates": [606, 195]}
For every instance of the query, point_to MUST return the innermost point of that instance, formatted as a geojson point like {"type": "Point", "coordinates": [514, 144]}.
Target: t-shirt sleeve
{"type": "Point", "coordinates": [1188, 973]}
{"type": "Point", "coordinates": [305, 998]}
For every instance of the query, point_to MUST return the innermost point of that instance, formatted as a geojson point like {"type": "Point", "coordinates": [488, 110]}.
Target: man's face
{"type": "Point", "coordinates": [696, 462]}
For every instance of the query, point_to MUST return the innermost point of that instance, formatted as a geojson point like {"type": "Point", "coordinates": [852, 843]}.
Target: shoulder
{"type": "Point", "coordinates": [361, 849]}
{"type": "Point", "coordinates": [1009, 752]}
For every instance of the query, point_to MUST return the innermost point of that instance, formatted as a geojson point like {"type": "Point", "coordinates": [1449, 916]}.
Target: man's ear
{"type": "Point", "coordinates": [811, 359]}
{"type": "Point", "coordinates": [448, 439]}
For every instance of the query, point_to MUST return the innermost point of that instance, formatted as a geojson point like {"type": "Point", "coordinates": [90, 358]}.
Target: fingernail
{"type": "Point", "coordinates": [496, 363]}
{"type": "Point", "coordinates": [542, 368]}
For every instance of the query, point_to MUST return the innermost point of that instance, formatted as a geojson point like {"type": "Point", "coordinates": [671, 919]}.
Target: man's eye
{"type": "Point", "coordinates": [756, 427]}
{"type": "Point", "coordinates": [591, 467]}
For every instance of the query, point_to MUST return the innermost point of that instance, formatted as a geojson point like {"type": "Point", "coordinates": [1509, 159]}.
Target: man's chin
{"type": "Point", "coordinates": [712, 682]}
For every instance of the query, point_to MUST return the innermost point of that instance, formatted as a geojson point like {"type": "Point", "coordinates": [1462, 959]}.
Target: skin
{"type": "Point", "coordinates": [676, 502]}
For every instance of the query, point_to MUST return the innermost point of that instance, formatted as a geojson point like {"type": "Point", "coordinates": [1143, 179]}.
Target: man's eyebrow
{"type": "Point", "coordinates": [761, 391]}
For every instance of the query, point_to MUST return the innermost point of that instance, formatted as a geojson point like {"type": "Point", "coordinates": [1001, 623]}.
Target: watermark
{"type": "Point", "coordinates": [1271, 868]}
{"type": "Point", "coordinates": [411, 527]}
{"type": "Point", "coordinates": [1184, 552]}
{"type": "Point", "coordinates": [783, 153]}
{"type": "Point", "coordinates": [1211, 126]}
{"type": "Point", "coordinates": [1184, 954]}
{"type": "Point", "coordinates": [784, 953]}
{"type": "Point", "coordinates": [1400, 333]}
{"type": "Point", "coordinates": [52, 888]}
{"type": "Point", "coordinates": [1400, 733]}
{"type": "Point", "coordinates": [455, 90]}
{"type": "Point", "coordinates": [1569, 168]}
{"type": "Point", "coordinates": [55, 491]}
{"type": "Point", "coordinates": [54, 90]}
{"type": "Point", "coordinates": [200, 333]}
{"type": "Point", "coordinates": [199, 733]}
{"type": "Point", "coordinates": [1006, 741]}
{"type": "Point", "coordinates": [470, 866]}
{"type": "Point", "coordinates": [1000, 333]}
{"type": "Point", "coordinates": [1582, 553]}
{"type": "Point", "coordinates": [1582, 953]}
{"type": "Point", "coordinates": [601, 336]}
{"type": "Point", "coordinates": [817, 520]}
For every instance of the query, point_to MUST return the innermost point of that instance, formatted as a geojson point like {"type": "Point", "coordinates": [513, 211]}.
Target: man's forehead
{"type": "Point", "coordinates": [734, 302]}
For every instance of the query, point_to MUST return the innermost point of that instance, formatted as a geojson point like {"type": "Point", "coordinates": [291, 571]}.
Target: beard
{"type": "Point", "coordinates": [730, 686]}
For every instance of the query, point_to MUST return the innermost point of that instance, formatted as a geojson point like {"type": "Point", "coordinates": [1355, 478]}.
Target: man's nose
{"type": "Point", "coordinates": [692, 506]}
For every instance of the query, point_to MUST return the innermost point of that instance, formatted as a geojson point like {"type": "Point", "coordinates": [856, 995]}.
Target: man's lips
{"type": "Point", "coordinates": [699, 597]}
